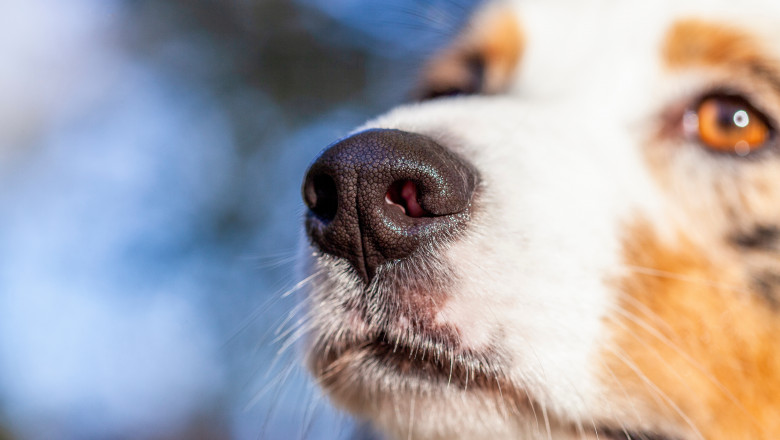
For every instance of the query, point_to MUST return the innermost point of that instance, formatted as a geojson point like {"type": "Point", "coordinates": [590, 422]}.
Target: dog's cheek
{"type": "Point", "coordinates": [691, 345]}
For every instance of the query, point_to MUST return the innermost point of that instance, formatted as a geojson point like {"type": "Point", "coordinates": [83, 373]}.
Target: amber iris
{"type": "Point", "coordinates": [730, 124]}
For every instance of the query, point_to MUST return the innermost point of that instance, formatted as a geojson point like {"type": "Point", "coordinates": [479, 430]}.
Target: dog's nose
{"type": "Point", "coordinates": [380, 195]}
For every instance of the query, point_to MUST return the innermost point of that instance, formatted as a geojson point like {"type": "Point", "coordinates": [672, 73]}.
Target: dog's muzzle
{"type": "Point", "coordinates": [380, 195]}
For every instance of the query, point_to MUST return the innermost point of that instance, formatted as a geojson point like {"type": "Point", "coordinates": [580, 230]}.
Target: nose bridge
{"type": "Point", "coordinates": [378, 195]}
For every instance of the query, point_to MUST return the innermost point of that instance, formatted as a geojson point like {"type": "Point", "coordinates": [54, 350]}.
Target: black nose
{"type": "Point", "coordinates": [380, 195]}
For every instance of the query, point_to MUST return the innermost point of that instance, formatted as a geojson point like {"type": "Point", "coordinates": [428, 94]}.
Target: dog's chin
{"type": "Point", "coordinates": [368, 369]}
{"type": "Point", "coordinates": [374, 375]}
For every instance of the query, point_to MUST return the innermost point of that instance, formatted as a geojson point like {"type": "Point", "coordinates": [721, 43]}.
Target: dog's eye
{"type": "Point", "coordinates": [453, 78]}
{"type": "Point", "coordinates": [728, 124]}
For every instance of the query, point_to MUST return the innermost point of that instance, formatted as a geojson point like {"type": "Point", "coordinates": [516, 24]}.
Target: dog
{"type": "Point", "coordinates": [574, 234]}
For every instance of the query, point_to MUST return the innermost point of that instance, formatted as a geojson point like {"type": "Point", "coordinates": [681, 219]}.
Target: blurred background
{"type": "Point", "coordinates": [151, 153]}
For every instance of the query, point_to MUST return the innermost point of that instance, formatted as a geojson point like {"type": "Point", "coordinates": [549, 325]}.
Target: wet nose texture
{"type": "Point", "coordinates": [380, 195]}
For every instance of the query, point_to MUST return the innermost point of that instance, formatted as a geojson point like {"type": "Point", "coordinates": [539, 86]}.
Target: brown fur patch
{"type": "Point", "coordinates": [692, 343]}
{"type": "Point", "coordinates": [698, 43]}
{"type": "Point", "coordinates": [482, 59]}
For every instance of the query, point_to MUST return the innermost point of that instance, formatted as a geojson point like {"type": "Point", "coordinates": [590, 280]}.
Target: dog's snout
{"type": "Point", "coordinates": [380, 195]}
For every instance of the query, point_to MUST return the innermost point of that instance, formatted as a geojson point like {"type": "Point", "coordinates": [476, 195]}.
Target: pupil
{"type": "Point", "coordinates": [731, 116]}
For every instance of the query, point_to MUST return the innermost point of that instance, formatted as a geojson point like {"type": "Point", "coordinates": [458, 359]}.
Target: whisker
{"type": "Point", "coordinates": [281, 331]}
{"type": "Point", "coordinates": [547, 422]}
{"type": "Point", "coordinates": [273, 261]}
{"type": "Point", "coordinates": [411, 416]}
{"type": "Point", "coordinates": [262, 308]}
{"type": "Point", "coordinates": [687, 357]}
{"type": "Point", "coordinates": [637, 414]}
{"type": "Point", "coordinates": [277, 380]}
{"type": "Point", "coordinates": [680, 277]}
{"type": "Point", "coordinates": [624, 357]}
{"type": "Point", "coordinates": [284, 376]}
{"type": "Point", "coordinates": [294, 337]}
{"type": "Point", "coordinates": [308, 419]}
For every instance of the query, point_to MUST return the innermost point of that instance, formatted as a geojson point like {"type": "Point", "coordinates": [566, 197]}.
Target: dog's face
{"type": "Point", "coordinates": [585, 245]}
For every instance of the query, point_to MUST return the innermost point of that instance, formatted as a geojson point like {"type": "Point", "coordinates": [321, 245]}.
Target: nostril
{"type": "Point", "coordinates": [404, 195]}
{"type": "Point", "coordinates": [321, 196]}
